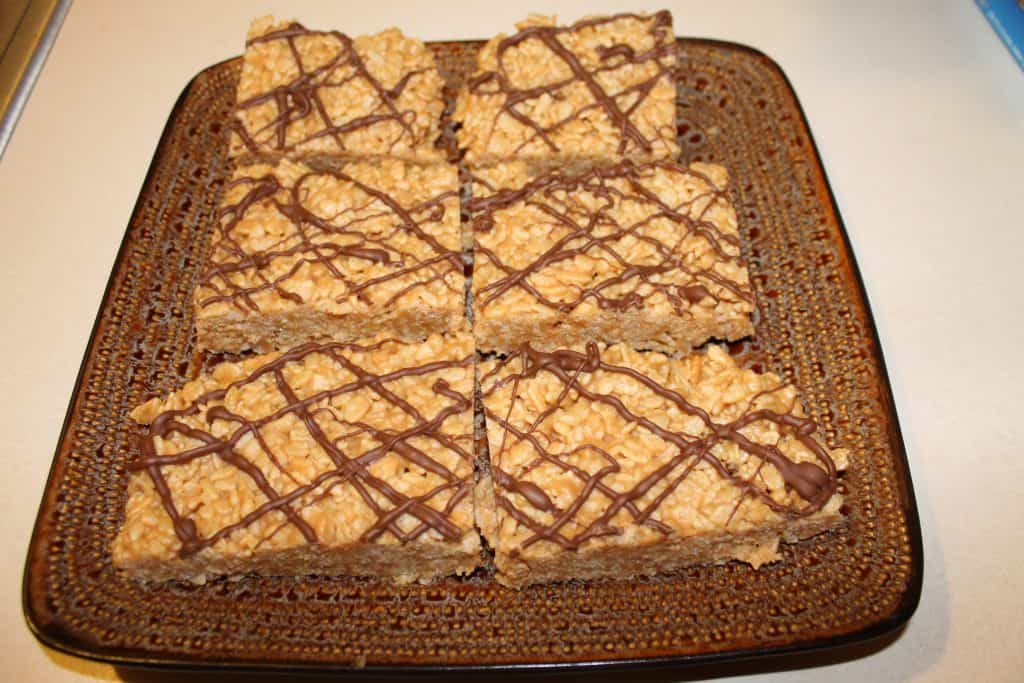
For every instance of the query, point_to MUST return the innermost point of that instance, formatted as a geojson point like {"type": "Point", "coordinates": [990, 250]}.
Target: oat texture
{"type": "Point", "coordinates": [310, 93]}
{"type": "Point", "coordinates": [302, 255]}
{"type": "Point", "coordinates": [598, 90]}
{"type": "Point", "coordinates": [332, 458]}
{"type": "Point", "coordinates": [647, 254]}
{"type": "Point", "coordinates": [615, 463]}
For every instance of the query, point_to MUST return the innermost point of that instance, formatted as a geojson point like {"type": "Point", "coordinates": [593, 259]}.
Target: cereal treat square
{"type": "Point", "coordinates": [306, 93]}
{"type": "Point", "coordinates": [617, 463]}
{"type": "Point", "coordinates": [301, 255]}
{"type": "Point", "coordinates": [327, 459]}
{"type": "Point", "coordinates": [601, 89]}
{"type": "Point", "coordinates": [647, 254]}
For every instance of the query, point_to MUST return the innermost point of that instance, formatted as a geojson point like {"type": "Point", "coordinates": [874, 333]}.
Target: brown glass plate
{"type": "Point", "coordinates": [814, 327]}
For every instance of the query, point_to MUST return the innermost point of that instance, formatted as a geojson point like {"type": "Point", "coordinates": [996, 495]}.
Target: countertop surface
{"type": "Point", "coordinates": [918, 111]}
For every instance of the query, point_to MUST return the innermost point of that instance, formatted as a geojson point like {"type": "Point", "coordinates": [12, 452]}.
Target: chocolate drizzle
{"type": "Point", "coordinates": [597, 233]}
{"type": "Point", "coordinates": [300, 98]}
{"type": "Point", "coordinates": [237, 272]}
{"type": "Point", "coordinates": [618, 107]}
{"type": "Point", "coordinates": [348, 469]}
{"type": "Point", "coordinates": [814, 483]}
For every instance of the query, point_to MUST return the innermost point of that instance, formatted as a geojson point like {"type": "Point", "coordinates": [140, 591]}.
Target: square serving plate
{"type": "Point", "coordinates": [814, 327]}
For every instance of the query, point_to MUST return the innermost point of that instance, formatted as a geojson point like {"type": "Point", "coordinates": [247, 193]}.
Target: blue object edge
{"type": "Point", "coordinates": [1007, 19]}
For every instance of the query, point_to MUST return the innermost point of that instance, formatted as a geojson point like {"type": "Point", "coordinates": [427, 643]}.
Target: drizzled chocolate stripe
{"type": "Point", "coordinates": [348, 469]}
{"type": "Point", "coordinates": [814, 483]}
{"type": "Point", "coordinates": [516, 101]}
{"type": "Point", "coordinates": [319, 240]}
{"type": "Point", "coordinates": [596, 233]}
{"type": "Point", "coordinates": [301, 97]}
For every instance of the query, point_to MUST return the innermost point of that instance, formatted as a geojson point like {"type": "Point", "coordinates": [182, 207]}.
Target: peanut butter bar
{"type": "Point", "coordinates": [307, 93]}
{"type": "Point", "coordinates": [302, 255]}
{"type": "Point", "coordinates": [616, 463]}
{"type": "Point", "coordinates": [327, 459]}
{"type": "Point", "coordinates": [646, 254]}
{"type": "Point", "coordinates": [601, 89]}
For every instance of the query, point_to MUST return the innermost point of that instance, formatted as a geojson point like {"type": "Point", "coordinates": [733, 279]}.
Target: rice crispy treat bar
{"type": "Point", "coordinates": [306, 93]}
{"type": "Point", "coordinates": [327, 459]}
{"type": "Point", "coordinates": [647, 254]}
{"type": "Point", "coordinates": [301, 255]}
{"type": "Point", "coordinates": [617, 464]}
{"type": "Point", "coordinates": [598, 90]}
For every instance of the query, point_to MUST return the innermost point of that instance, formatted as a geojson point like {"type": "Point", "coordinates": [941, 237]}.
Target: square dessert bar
{"type": "Point", "coordinates": [321, 93]}
{"type": "Point", "coordinates": [327, 459]}
{"type": "Point", "coordinates": [647, 254]}
{"type": "Point", "coordinates": [617, 464]}
{"type": "Point", "coordinates": [598, 90]}
{"type": "Point", "coordinates": [301, 255]}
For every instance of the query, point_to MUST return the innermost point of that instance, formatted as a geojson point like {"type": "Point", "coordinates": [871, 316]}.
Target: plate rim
{"type": "Point", "coordinates": [62, 641]}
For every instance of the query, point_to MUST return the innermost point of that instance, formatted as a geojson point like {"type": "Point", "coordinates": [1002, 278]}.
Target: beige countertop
{"type": "Point", "coordinates": [918, 111]}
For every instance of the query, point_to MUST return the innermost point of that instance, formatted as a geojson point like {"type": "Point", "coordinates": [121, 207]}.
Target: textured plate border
{"type": "Point", "coordinates": [59, 637]}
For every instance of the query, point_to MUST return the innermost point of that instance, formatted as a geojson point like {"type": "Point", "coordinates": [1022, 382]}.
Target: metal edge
{"type": "Point", "coordinates": [887, 625]}
{"type": "Point", "coordinates": [28, 79]}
